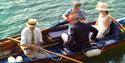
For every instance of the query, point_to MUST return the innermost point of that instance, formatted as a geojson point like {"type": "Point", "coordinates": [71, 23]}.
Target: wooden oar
{"type": "Point", "coordinates": [120, 26]}
{"type": "Point", "coordinates": [66, 57]}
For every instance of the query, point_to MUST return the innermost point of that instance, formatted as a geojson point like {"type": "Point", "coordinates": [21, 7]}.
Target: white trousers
{"type": "Point", "coordinates": [35, 54]}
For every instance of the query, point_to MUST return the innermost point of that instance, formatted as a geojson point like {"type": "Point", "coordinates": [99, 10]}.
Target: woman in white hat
{"type": "Point", "coordinates": [104, 20]}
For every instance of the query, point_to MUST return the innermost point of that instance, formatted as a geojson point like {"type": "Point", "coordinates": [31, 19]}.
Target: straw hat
{"type": "Point", "coordinates": [31, 23]}
{"type": "Point", "coordinates": [102, 6]}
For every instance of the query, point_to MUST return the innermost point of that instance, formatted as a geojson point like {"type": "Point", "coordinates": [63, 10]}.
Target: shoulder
{"type": "Point", "coordinates": [109, 18]}
{"type": "Point", "coordinates": [81, 10]}
{"type": "Point", "coordinates": [37, 29]}
{"type": "Point", "coordinates": [68, 11]}
{"type": "Point", "coordinates": [25, 29]}
{"type": "Point", "coordinates": [85, 25]}
{"type": "Point", "coordinates": [80, 25]}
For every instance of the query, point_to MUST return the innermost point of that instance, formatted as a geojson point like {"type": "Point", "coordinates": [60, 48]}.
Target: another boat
{"type": "Point", "coordinates": [53, 42]}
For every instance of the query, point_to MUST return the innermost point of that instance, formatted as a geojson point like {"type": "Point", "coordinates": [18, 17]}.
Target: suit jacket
{"type": "Point", "coordinates": [79, 38]}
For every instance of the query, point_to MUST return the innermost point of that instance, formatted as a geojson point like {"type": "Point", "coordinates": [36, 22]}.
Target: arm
{"type": "Point", "coordinates": [71, 37]}
{"type": "Point", "coordinates": [96, 23]}
{"type": "Point", "coordinates": [40, 40]}
{"type": "Point", "coordinates": [65, 15]}
{"type": "Point", "coordinates": [23, 42]}
{"type": "Point", "coordinates": [94, 31]}
{"type": "Point", "coordinates": [107, 22]}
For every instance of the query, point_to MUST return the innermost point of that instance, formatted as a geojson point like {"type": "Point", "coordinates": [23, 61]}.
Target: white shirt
{"type": "Point", "coordinates": [26, 36]}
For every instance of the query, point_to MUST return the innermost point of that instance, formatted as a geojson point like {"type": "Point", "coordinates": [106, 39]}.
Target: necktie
{"type": "Point", "coordinates": [33, 40]}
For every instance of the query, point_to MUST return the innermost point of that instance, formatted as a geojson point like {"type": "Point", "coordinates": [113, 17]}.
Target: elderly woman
{"type": "Point", "coordinates": [104, 19]}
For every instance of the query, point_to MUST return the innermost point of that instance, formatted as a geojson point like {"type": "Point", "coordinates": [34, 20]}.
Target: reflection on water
{"type": "Point", "coordinates": [18, 1]}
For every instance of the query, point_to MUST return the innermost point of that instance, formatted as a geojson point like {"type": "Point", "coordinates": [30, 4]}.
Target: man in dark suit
{"type": "Point", "coordinates": [79, 36]}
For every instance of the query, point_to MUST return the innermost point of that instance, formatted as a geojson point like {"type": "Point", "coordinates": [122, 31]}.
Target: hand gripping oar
{"type": "Point", "coordinates": [66, 57]}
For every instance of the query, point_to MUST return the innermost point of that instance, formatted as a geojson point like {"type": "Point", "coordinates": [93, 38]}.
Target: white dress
{"type": "Point", "coordinates": [102, 30]}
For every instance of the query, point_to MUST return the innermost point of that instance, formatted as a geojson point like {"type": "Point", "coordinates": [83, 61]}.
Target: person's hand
{"type": "Point", "coordinates": [36, 47]}
{"type": "Point", "coordinates": [32, 46]}
{"type": "Point", "coordinates": [72, 16]}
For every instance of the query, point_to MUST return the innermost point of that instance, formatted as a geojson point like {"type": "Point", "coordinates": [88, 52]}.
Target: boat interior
{"type": "Point", "coordinates": [54, 35]}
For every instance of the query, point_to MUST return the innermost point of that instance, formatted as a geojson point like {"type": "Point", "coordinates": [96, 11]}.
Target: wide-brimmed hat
{"type": "Point", "coordinates": [102, 6]}
{"type": "Point", "coordinates": [31, 23]}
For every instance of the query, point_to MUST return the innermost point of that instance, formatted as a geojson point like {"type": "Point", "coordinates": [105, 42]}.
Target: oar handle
{"type": "Point", "coordinates": [17, 41]}
{"type": "Point", "coordinates": [120, 26]}
{"type": "Point", "coordinates": [61, 55]}
{"type": "Point", "coordinates": [66, 57]}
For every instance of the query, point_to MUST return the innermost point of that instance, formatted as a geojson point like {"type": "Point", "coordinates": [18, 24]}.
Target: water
{"type": "Point", "coordinates": [116, 55]}
{"type": "Point", "coordinates": [14, 14]}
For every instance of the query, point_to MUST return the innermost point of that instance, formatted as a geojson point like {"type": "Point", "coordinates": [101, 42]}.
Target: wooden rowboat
{"type": "Point", "coordinates": [53, 42]}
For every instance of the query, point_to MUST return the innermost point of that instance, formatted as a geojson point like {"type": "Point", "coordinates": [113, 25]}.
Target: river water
{"type": "Point", "coordinates": [14, 14]}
